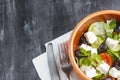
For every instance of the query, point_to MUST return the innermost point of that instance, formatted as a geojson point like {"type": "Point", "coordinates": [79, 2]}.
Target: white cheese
{"type": "Point", "coordinates": [118, 74]}
{"type": "Point", "coordinates": [93, 50]}
{"type": "Point", "coordinates": [86, 47]}
{"type": "Point", "coordinates": [89, 71]}
{"type": "Point", "coordinates": [89, 48]}
{"type": "Point", "coordinates": [84, 67]}
{"type": "Point", "coordinates": [103, 67]}
{"type": "Point", "coordinates": [111, 43]}
{"type": "Point", "coordinates": [90, 37]}
{"type": "Point", "coordinates": [114, 73]}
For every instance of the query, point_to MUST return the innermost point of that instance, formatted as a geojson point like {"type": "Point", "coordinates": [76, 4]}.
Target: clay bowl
{"type": "Point", "coordinates": [80, 28]}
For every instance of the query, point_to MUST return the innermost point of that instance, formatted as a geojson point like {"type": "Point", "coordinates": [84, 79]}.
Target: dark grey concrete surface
{"type": "Point", "coordinates": [25, 25]}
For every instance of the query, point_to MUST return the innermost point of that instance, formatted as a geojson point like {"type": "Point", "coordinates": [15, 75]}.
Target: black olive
{"type": "Point", "coordinates": [77, 54]}
{"type": "Point", "coordinates": [117, 29]}
{"type": "Point", "coordinates": [103, 47]}
{"type": "Point", "coordinates": [83, 40]}
{"type": "Point", "coordinates": [116, 64]}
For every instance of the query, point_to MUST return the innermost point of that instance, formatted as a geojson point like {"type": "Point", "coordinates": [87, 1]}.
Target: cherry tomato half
{"type": "Point", "coordinates": [107, 58]}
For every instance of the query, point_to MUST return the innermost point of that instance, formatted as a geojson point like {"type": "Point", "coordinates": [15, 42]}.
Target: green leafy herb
{"type": "Point", "coordinates": [99, 75]}
{"type": "Point", "coordinates": [97, 58]}
{"type": "Point", "coordinates": [84, 61]}
{"type": "Point", "coordinates": [112, 24]}
{"type": "Point", "coordinates": [113, 54]}
{"type": "Point", "coordinates": [106, 26]}
{"type": "Point", "coordinates": [84, 52]}
{"type": "Point", "coordinates": [109, 28]}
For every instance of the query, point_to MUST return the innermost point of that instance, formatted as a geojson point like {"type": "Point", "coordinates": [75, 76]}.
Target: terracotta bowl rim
{"type": "Point", "coordinates": [74, 32]}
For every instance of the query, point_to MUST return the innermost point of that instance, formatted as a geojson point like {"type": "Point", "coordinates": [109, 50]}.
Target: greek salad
{"type": "Point", "coordinates": [98, 56]}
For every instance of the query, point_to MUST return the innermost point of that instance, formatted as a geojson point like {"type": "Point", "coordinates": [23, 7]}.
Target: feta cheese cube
{"type": "Point", "coordinates": [90, 37]}
{"type": "Point", "coordinates": [103, 67]}
{"type": "Point", "coordinates": [86, 47]}
{"type": "Point", "coordinates": [93, 50]}
{"type": "Point", "coordinates": [111, 43]}
{"type": "Point", "coordinates": [89, 71]}
{"type": "Point", "coordinates": [114, 72]}
{"type": "Point", "coordinates": [118, 73]}
{"type": "Point", "coordinates": [84, 68]}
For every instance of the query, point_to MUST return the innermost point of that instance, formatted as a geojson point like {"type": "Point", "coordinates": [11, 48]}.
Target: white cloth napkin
{"type": "Point", "coordinates": [41, 66]}
{"type": "Point", "coordinates": [41, 63]}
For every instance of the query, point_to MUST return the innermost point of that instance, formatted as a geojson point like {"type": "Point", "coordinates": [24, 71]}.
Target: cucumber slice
{"type": "Point", "coordinates": [98, 29]}
{"type": "Point", "coordinates": [97, 43]}
{"type": "Point", "coordinates": [116, 49]}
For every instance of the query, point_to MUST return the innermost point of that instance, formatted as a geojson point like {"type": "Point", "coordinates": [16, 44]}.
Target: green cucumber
{"type": "Point", "coordinates": [97, 43]}
{"type": "Point", "coordinates": [98, 29]}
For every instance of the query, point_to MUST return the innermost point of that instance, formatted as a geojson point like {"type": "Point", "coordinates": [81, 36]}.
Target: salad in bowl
{"type": "Point", "coordinates": [94, 46]}
{"type": "Point", "coordinates": [98, 55]}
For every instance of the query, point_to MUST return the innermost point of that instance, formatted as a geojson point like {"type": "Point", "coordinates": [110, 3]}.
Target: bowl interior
{"type": "Point", "coordinates": [81, 27]}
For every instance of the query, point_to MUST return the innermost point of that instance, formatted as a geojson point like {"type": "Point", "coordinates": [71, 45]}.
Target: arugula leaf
{"type": "Point", "coordinates": [109, 28]}
{"type": "Point", "coordinates": [106, 26]}
{"type": "Point", "coordinates": [89, 59]}
{"type": "Point", "coordinates": [85, 61]}
{"type": "Point", "coordinates": [84, 52]}
{"type": "Point", "coordinates": [93, 62]}
{"type": "Point", "coordinates": [112, 24]}
{"type": "Point", "coordinates": [97, 58]}
{"type": "Point", "coordinates": [98, 77]}
{"type": "Point", "coordinates": [113, 54]}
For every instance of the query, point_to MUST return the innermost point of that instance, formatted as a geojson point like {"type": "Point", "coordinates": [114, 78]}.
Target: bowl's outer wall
{"type": "Point", "coordinates": [81, 27]}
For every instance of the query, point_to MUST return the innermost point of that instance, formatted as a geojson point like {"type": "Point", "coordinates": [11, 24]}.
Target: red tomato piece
{"type": "Point", "coordinates": [107, 58]}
